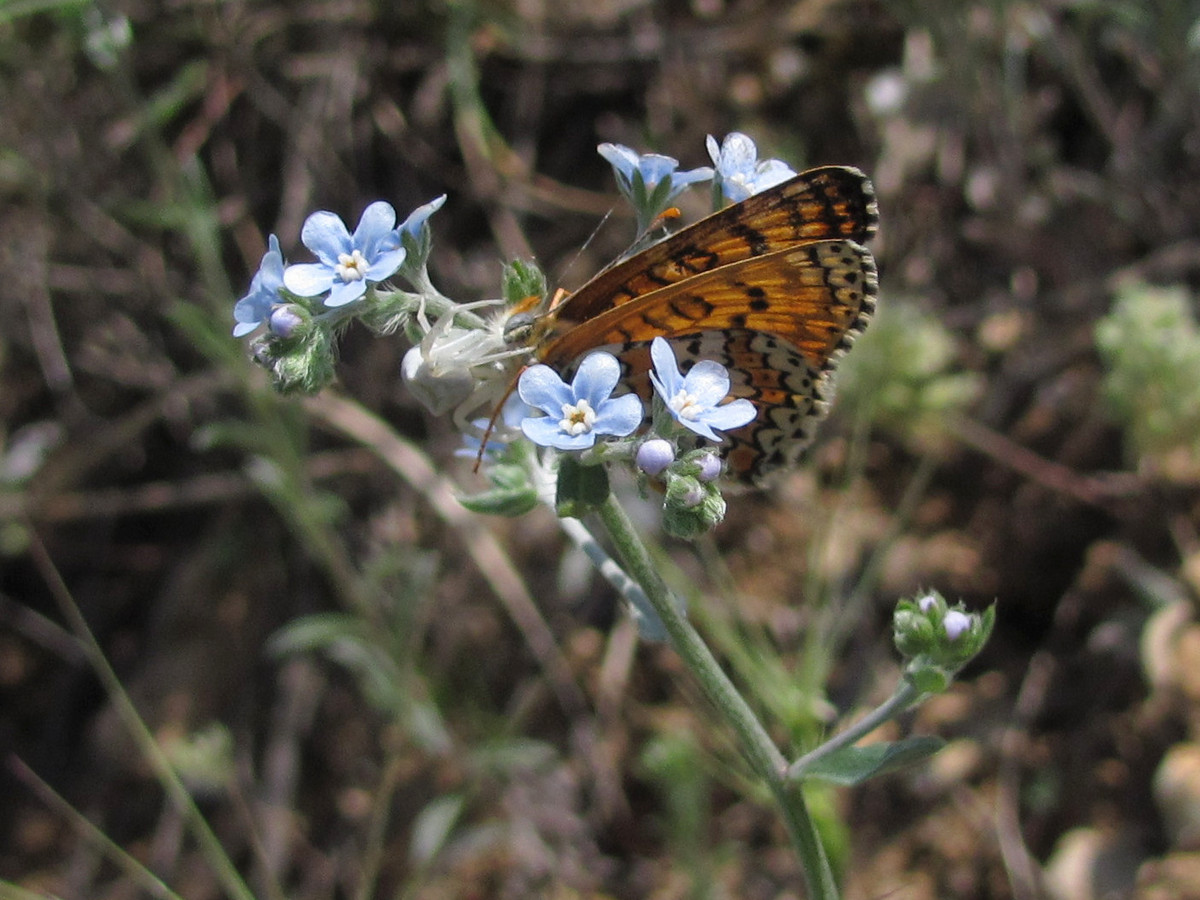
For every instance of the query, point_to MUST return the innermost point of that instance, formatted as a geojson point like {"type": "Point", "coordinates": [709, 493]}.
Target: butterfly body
{"type": "Point", "coordinates": [774, 288]}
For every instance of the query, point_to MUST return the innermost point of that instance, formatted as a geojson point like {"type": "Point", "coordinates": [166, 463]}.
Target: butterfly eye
{"type": "Point", "coordinates": [518, 330]}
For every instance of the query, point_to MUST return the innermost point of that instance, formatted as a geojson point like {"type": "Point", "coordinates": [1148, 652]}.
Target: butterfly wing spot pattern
{"type": "Point", "coordinates": [775, 288]}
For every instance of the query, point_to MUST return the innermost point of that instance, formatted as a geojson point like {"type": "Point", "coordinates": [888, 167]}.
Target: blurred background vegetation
{"type": "Point", "coordinates": [370, 692]}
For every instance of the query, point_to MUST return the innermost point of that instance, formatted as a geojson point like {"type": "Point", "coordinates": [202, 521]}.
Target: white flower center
{"type": "Point", "coordinates": [351, 266]}
{"type": "Point", "coordinates": [577, 419]}
{"type": "Point", "coordinates": [684, 405]}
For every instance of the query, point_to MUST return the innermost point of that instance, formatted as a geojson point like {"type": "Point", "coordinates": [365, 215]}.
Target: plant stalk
{"type": "Point", "coordinates": [756, 745]}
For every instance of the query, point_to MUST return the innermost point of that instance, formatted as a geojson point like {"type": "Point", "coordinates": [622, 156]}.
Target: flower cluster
{"type": "Point", "coordinates": [300, 304]}
{"type": "Point", "coordinates": [576, 414]}
{"type": "Point", "coordinates": [464, 363]}
{"type": "Point", "coordinates": [651, 181]}
{"type": "Point", "coordinates": [938, 639]}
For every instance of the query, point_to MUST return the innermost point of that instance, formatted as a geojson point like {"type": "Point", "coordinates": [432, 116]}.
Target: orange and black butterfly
{"type": "Point", "coordinates": [775, 288]}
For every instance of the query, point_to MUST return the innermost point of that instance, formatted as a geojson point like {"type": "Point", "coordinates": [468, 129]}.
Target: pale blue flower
{"type": "Point", "coordinates": [693, 399]}
{"type": "Point", "coordinates": [739, 170]}
{"type": "Point", "coordinates": [576, 414]}
{"type": "Point", "coordinates": [253, 309]}
{"type": "Point", "coordinates": [348, 263]}
{"type": "Point", "coordinates": [650, 180]}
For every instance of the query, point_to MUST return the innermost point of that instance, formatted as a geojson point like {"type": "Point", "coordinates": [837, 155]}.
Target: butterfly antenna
{"type": "Point", "coordinates": [587, 243]}
{"type": "Point", "coordinates": [491, 425]}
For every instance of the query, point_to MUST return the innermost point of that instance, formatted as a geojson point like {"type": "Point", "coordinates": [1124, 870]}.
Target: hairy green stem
{"type": "Point", "coordinates": [756, 745]}
{"type": "Point", "coordinates": [903, 697]}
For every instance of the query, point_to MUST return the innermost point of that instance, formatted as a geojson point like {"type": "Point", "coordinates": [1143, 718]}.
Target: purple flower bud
{"type": "Point", "coordinates": [710, 467]}
{"type": "Point", "coordinates": [926, 603]}
{"type": "Point", "coordinates": [654, 456]}
{"type": "Point", "coordinates": [956, 622]}
{"type": "Point", "coordinates": [284, 320]}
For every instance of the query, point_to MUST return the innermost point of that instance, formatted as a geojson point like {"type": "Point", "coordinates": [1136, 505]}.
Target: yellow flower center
{"type": "Point", "coordinates": [351, 266]}
{"type": "Point", "coordinates": [578, 418]}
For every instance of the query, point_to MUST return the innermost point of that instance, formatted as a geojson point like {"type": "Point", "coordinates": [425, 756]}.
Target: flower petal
{"type": "Point", "coordinates": [620, 157]}
{"type": "Point", "coordinates": [654, 456]}
{"type": "Point", "coordinates": [270, 270]}
{"type": "Point", "coordinates": [738, 155]}
{"type": "Point", "coordinates": [714, 150]}
{"type": "Point", "coordinates": [619, 416]}
{"type": "Point", "coordinates": [665, 375]}
{"type": "Point", "coordinates": [417, 218]}
{"type": "Point", "coordinates": [684, 179]}
{"type": "Point", "coordinates": [732, 415]}
{"type": "Point", "coordinates": [343, 292]}
{"type": "Point", "coordinates": [770, 173]}
{"type": "Point", "coordinates": [308, 279]}
{"type": "Point", "coordinates": [546, 433]}
{"type": "Point", "coordinates": [376, 223]}
{"type": "Point", "coordinates": [655, 167]}
{"type": "Point", "coordinates": [597, 376]}
{"type": "Point", "coordinates": [385, 264]}
{"type": "Point", "coordinates": [708, 382]}
{"type": "Point", "coordinates": [325, 234]}
{"type": "Point", "coordinates": [700, 427]}
{"type": "Point", "coordinates": [541, 387]}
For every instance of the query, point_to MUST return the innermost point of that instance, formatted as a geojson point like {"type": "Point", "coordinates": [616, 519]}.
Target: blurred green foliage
{"type": "Point", "coordinates": [901, 376]}
{"type": "Point", "coordinates": [1150, 344]}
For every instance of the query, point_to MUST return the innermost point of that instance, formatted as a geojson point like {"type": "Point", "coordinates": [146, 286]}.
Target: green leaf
{"type": "Point", "coordinates": [580, 488]}
{"type": "Point", "coordinates": [851, 766]}
{"type": "Point", "coordinates": [502, 501]}
{"type": "Point", "coordinates": [511, 493]}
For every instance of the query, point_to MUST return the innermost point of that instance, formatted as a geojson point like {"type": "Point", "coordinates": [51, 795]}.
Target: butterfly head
{"type": "Point", "coordinates": [520, 329]}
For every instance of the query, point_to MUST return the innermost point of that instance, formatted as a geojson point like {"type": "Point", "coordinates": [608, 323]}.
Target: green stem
{"type": "Point", "coordinates": [904, 696]}
{"type": "Point", "coordinates": [223, 867]}
{"type": "Point", "coordinates": [756, 745]}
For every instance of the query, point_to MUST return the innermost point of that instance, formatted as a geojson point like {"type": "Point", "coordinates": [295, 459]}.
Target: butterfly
{"type": "Point", "coordinates": [775, 288]}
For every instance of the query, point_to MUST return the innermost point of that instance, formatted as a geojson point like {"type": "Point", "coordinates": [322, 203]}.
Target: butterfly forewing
{"type": "Point", "coordinates": [830, 202]}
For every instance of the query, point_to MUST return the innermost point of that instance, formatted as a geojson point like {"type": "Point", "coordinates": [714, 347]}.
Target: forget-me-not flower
{"type": "Point", "coordinates": [253, 309]}
{"type": "Point", "coordinates": [739, 170]}
{"type": "Point", "coordinates": [649, 181]}
{"type": "Point", "coordinates": [652, 168]}
{"type": "Point", "coordinates": [348, 262]}
{"type": "Point", "coordinates": [576, 414]}
{"type": "Point", "coordinates": [693, 399]}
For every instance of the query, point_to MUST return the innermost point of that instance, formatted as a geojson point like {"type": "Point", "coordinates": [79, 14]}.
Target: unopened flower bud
{"type": "Point", "coordinates": [955, 623]}
{"type": "Point", "coordinates": [710, 467]}
{"type": "Point", "coordinates": [654, 456]}
{"type": "Point", "coordinates": [284, 320]}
